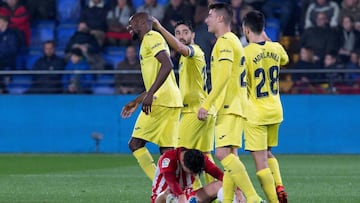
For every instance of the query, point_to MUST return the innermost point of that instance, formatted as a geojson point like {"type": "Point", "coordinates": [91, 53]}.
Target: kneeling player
{"type": "Point", "coordinates": [176, 172]}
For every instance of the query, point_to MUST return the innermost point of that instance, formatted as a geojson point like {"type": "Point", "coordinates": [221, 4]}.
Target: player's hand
{"type": "Point", "coordinates": [156, 23]}
{"type": "Point", "coordinates": [182, 199]}
{"type": "Point", "coordinates": [202, 114]}
{"type": "Point", "coordinates": [128, 109]}
{"type": "Point", "coordinates": [240, 198]}
{"type": "Point", "coordinates": [147, 102]}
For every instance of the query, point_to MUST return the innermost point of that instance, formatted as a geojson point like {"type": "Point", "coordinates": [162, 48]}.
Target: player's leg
{"type": "Point", "coordinates": [161, 198]}
{"type": "Point", "coordinates": [257, 143]}
{"type": "Point", "coordinates": [143, 156]}
{"type": "Point", "coordinates": [209, 192]}
{"type": "Point", "coordinates": [273, 163]}
{"type": "Point", "coordinates": [159, 128]}
{"type": "Point", "coordinates": [196, 134]}
{"type": "Point", "coordinates": [228, 132]}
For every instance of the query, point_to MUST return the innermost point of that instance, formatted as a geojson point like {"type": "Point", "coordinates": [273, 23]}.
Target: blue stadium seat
{"type": "Point", "coordinates": [104, 84]}
{"type": "Point", "coordinates": [112, 50]}
{"type": "Point", "coordinates": [68, 11]}
{"type": "Point", "coordinates": [163, 2]}
{"type": "Point", "coordinates": [30, 60]}
{"type": "Point", "coordinates": [42, 31]}
{"type": "Point", "coordinates": [137, 3]}
{"type": "Point", "coordinates": [19, 84]}
{"type": "Point", "coordinates": [64, 33]}
{"type": "Point", "coordinates": [113, 59]}
{"type": "Point", "coordinates": [272, 29]}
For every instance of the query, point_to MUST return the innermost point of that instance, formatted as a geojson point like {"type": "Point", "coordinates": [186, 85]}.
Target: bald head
{"type": "Point", "coordinates": [139, 24]}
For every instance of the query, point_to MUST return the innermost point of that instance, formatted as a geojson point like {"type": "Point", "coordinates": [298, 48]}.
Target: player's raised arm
{"type": "Point", "coordinates": [165, 69]}
{"type": "Point", "coordinates": [171, 40]}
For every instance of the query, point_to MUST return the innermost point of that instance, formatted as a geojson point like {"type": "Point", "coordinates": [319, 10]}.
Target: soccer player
{"type": "Point", "coordinates": [228, 95]}
{"type": "Point", "coordinates": [161, 102]}
{"type": "Point", "coordinates": [263, 61]}
{"type": "Point", "coordinates": [176, 172]}
{"type": "Point", "coordinates": [193, 133]}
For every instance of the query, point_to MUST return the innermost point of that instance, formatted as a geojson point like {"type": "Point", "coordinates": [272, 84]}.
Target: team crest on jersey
{"type": "Point", "coordinates": [165, 163]}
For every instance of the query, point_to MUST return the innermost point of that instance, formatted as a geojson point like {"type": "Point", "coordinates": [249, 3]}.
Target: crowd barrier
{"type": "Point", "coordinates": [313, 124]}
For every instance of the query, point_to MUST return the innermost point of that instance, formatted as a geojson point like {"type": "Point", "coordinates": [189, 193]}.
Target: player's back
{"type": "Point", "coordinates": [168, 94]}
{"type": "Point", "coordinates": [263, 61]}
{"type": "Point", "coordinates": [228, 47]}
{"type": "Point", "coordinates": [192, 79]}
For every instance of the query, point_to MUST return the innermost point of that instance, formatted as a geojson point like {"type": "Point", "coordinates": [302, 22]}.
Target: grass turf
{"type": "Point", "coordinates": [118, 178]}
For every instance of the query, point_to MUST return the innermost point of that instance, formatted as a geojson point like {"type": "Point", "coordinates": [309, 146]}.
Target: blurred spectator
{"type": "Point", "coordinates": [203, 38]}
{"type": "Point", "coordinates": [94, 15]}
{"type": "Point", "coordinates": [177, 10]}
{"type": "Point", "coordinates": [279, 9]}
{"type": "Point", "coordinates": [77, 83]}
{"type": "Point", "coordinates": [152, 8]}
{"type": "Point", "coordinates": [256, 4]}
{"type": "Point", "coordinates": [85, 41]}
{"type": "Point", "coordinates": [130, 83]}
{"type": "Point", "coordinates": [117, 20]}
{"type": "Point", "coordinates": [332, 80]}
{"type": "Point", "coordinates": [353, 64]}
{"type": "Point", "coordinates": [330, 8]}
{"type": "Point", "coordinates": [47, 83]}
{"type": "Point", "coordinates": [9, 47]}
{"type": "Point", "coordinates": [19, 19]}
{"type": "Point", "coordinates": [306, 83]}
{"type": "Point", "coordinates": [240, 10]}
{"type": "Point", "coordinates": [349, 38]}
{"type": "Point", "coordinates": [320, 38]}
{"type": "Point", "coordinates": [42, 9]}
{"type": "Point", "coordinates": [351, 8]}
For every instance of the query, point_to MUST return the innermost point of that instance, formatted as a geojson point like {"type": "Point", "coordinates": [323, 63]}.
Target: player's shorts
{"type": "Point", "coordinates": [160, 127]}
{"type": "Point", "coordinates": [228, 130]}
{"type": "Point", "coordinates": [196, 134]}
{"type": "Point", "coordinates": [260, 137]}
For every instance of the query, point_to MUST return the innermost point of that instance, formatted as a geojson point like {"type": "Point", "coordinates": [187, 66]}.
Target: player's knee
{"type": "Point", "coordinates": [220, 155]}
{"type": "Point", "coordinates": [135, 144]}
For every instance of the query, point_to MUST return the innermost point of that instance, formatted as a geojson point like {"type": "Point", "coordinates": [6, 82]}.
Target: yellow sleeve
{"type": "Point", "coordinates": [219, 84]}
{"type": "Point", "coordinates": [156, 44]}
{"type": "Point", "coordinates": [284, 56]}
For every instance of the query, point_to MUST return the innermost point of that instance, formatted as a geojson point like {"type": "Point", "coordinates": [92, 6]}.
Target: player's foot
{"type": "Point", "coordinates": [282, 195]}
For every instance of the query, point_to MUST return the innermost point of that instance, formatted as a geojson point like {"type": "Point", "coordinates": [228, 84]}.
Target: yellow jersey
{"type": "Point", "coordinates": [228, 92]}
{"type": "Point", "coordinates": [263, 61]}
{"type": "Point", "coordinates": [192, 79]}
{"type": "Point", "coordinates": [168, 94]}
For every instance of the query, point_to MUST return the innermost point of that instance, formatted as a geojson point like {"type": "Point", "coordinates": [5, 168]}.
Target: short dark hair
{"type": "Point", "coordinates": [186, 23]}
{"type": "Point", "coordinates": [50, 42]}
{"type": "Point", "coordinates": [194, 160]}
{"type": "Point", "coordinates": [226, 8]}
{"type": "Point", "coordinates": [255, 20]}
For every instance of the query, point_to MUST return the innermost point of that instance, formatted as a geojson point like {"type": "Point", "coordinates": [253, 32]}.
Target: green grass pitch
{"type": "Point", "coordinates": [117, 178]}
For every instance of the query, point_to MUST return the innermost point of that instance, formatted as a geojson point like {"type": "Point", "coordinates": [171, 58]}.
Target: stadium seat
{"type": "Point", "coordinates": [42, 31]}
{"type": "Point", "coordinates": [272, 29]}
{"type": "Point", "coordinates": [113, 59]}
{"type": "Point", "coordinates": [68, 11]}
{"type": "Point", "coordinates": [163, 2]}
{"type": "Point", "coordinates": [30, 60]}
{"type": "Point", "coordinates": [19, 84]}
{"type": "Point", "coordinates": [64, 33]}
{"type": "Point", "coordinates": [104, 84]}
{"type": "Point", "coordinates": [137, 3]}
{"type": "Point", "coordinates": [112, 50]}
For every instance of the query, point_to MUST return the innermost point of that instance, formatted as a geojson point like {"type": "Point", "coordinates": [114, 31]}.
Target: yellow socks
{"type": "Point", "coordinates": [228, 188]}
{"type": "Point", "coordinates": [267, 183]}
{"type": "Point", "coordinates": [146, 162]}
{"type": "Point", "coordinates": [274, 167]}
{"type": "Point", "coordinates": [239, 176]}
{"type": "Point", "coordinates": [208, 178]}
